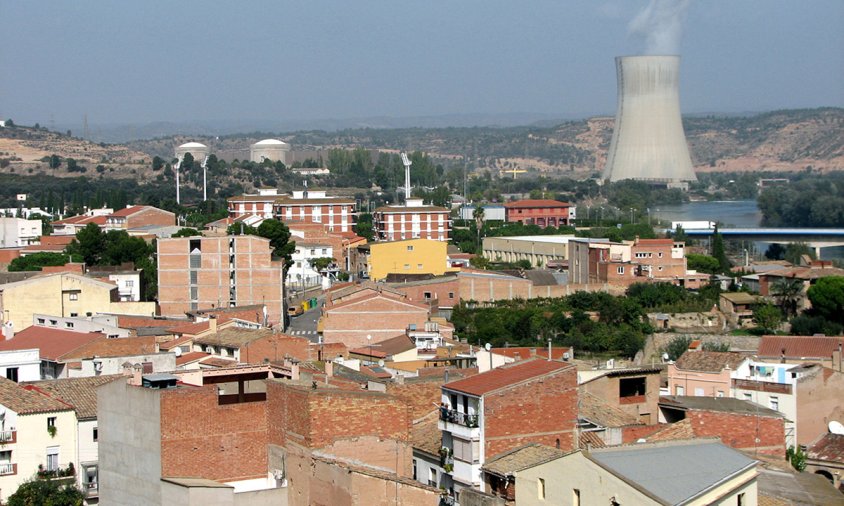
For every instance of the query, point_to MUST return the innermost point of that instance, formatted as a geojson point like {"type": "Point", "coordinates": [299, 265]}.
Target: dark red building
{"type": "Point", "coordinates": [544, 213]}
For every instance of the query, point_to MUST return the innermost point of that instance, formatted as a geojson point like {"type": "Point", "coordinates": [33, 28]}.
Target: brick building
{"type": "Point", "coordinates": [704, 373]}
{"type": "Point", "coordinates": [413, 220]}
{"type": "Point", "coordinates": [335, 214]}
{"type": "Point", "coordinates": [132, 217]}
{"type": "Point", "coordinates": [540, 212]}
{"type": "Point", "coordinates": [739, 424]}
{"type": "Point", "coordinates": [259, 204]}
{"type": "Point", "coordinates": [218, 272]}
{"type": "Point", "coordinates": [634, 391]}
{"type": "Point", "coordinates": [532, 401]}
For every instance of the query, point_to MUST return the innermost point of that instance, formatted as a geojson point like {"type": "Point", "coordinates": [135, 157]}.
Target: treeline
{"type": "Point", "coordinates": [594, 322]}
{"type": "Point", "coordinates": [816, 201]}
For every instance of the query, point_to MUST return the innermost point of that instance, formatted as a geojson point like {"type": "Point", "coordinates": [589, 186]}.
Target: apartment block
{"type": "Point", "coordinates": [414, 220]}
{"type": "Point", "coordinates": [540, 212]}
{"type": "Point", "coordinates": [18, 232]}
{"type": "Point", "coordinates": [218, 272]}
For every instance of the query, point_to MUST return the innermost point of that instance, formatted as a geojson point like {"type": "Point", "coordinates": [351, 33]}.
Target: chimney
{"type": "Point", "coordinates": [782, 356]}
{"type": "Point", "coordinates": [329, 368]}
{"type": "Point", "coordinates": [137, 375]}
{"type": "Point", "coordinates": [212, 323]}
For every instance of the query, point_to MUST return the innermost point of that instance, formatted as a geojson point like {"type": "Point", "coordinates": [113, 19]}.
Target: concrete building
{"type": "Point", "coordinates": [497, 411]}
{"type": "Point", "coordinates": [492, 212]}
{"type": "Point", "coordinates": [35, 430]}
{"type": "Point", "coordinates": [694, 473]}
{"type": "Point", "coordinates": [409, 257]}
{"type": "Point", "coordinates": [413, 220]}
{"type": "Point", "coordinates": [634, 391]}
{"type": "Point", "coordinates": [303, 275]}
{"type": "Point", "coordinates": [648, 142]}
{"type": "Point", "coordinates": [219, 272]}
{"type": "Point", "coordinates": [273, 150]}
{"type": "Point", "coordinates": [19, 232]}
{"type": "Point", "coordinates": [540, 250]}
{"type": "Point", "coordinates": [63, 294]}
{"type": "Point", "coordinates": [540, 212]}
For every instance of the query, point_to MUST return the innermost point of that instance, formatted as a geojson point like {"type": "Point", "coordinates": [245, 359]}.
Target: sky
{"type": "Point", "coordinates": [160, 60]}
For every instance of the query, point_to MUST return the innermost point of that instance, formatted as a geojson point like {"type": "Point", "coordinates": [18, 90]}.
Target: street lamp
{"type": "Point", "coordinates": [369, 340]}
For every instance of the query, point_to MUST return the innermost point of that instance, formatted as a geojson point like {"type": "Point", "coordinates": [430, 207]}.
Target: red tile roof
{"type": "Point", "coordinates": [169, 345]}
{"type": "Point", "coordinates": [136, 322]}
{"type": "Point", "coordinates": [798, 347]}
{"type": "Point", "coordinates": [193, 356]}
{"type": "Point", "coordinates": [506, 376]}
{"type": "Point", "coordinates": [536, 203]}
{"type": "Point", "coordinates": [709, 361]}
{"type": "Point", "coordinates": [525, 352]}
{"type": "Point", "coordinates": [129, 211]}
{"type": "Point", "coordinates": [25, 401]}
{"type": "Point", "coordinates": [81, 393]}
{"type": "Point", "coordinates": [81, 220]}
{"type": "Point", "coordinates": [655, 242]}
{"type": "Point", "coordinates": [120, 347]}
{"type": "Point", "coordinates": [53, 343]}
{"type": "Point", "coordinates": [829, 448]}
{"type": "Point", "coordinates": [191, 328]}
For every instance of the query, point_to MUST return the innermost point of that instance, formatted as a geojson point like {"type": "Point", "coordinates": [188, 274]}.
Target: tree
{"type": "Point", "coordinates": [787, 292]}
{"type": "Point", "coordinates": [187, 232]}
{"type": "Point", "coordinates": [703, 263]}
{"type": "Point", "coordinates": [54, 161]}
{"type": "Point", "coordinates": [767, 317]}
{"type": "Point", "coordinates": [827, 297]}
{"type": "Point", "coordinates": [719, 253]}
{"type": "Point", "coordinates": [89, 243]}
{"type": "Point", "coordinates": [279, 236]}
{"type": "Point", "coordinates": [677, 346]}
{"type": "Point", "coordinates": [36, 261]}
{"type": "Point", "coordinates": [364, 227]}
{"type": "Point", "coordinates": [46, 493]}
{"type": "Point", "coordinates": [157, 163]}
{"type": "Point", "coordinates": [478, 216]}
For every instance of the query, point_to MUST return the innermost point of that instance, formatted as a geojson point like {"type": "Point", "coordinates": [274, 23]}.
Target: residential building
{"type": "Point", "coordinates": [440, 292]}
{"type": "Point", "coordinates": [738, 307]}
{"type": "Point", "coordinates": [410, 257]}
{"type": "Point", "coordinates": [219, 272]}
{"type": "Point", "coordinates": [303, 275]}
{"type": "Point", "coordinates": [35, 430]}
{"type": "Point", "coordinates": [129, 281]}
{"type": "Point", "coordinates": [104, 324]}
{"type": "Point", "coordinates": [71, 225]}
{"type": "Point", "coordinates": [238, 344]}
{"type": "Point", "coordinates": [335, 214]}
{"type": "Point", "coordinates": [704, 373]}
{"type": "Point", "coordinates": [695, 473]}
{"type": "Point", "coordinates": [63, 294]}
{"type": "Point", "coordinates": [540, 250]}
{"type": "Point", "coordinates": [796, 350]}
{"type": "Point", "coordinates": [739, 424]}
{"type": "Point", "coordinates": [259, 204]}
{"type": "Point", "coordinates": [39, 353]}
{"type": "Point", "coordinates": [344, 245]}
{"type": "Point", "coordinates": [497, 411]}
{"type": "Point", "coordinates": [499, 472]}
{"type": "Point", "coordinates": [806, 275]}
{"type": "Point", "coordinates": [81, 394]}
{"type": "Point", "coordinates": [19, 232]}
{"type": "Point", "coordinates": [540, 212]}
{"type": "Point", "coordinates": [133, 217]}
{"type": "Point", "coordinates": [413, 220]}
{"type": "Point", "coordinates": [489, 286]}
{"type": "Point", "coordinates": [825, 457]}
{"type": "Point", "coordinates": [632, 390]}
{"type": "Point", "coordinates": [396, 349]}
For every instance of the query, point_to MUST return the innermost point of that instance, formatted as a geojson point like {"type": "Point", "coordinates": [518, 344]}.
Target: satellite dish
{"type": "Point", "coordinates": [381, 363]}
{"type": "Point", "coordinates": [665, 357]}
{"type": "Point", "coordinates": [487, 346]}
{"type": "Point", "coordinates": [178, 351]}
{"type": "Point", "coordinates": [836, 427]}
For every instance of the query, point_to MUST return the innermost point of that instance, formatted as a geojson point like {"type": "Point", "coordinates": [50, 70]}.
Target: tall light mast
{"type": "Point", "coordinates": [176, 170]}
{"type": "Point", "coordinates": [406, 162]}
{"type": "Point", "coordinates": [205, 179]}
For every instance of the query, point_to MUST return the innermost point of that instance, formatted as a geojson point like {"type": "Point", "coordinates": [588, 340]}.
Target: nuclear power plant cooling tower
{"type": "Point", "coordinates": [648, 143]}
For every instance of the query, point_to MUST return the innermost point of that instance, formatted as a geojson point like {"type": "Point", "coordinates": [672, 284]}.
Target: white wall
{"type": "Point", "coordinates": [161, 362]}
{"type": "Point", "coordinates": [28, 363]}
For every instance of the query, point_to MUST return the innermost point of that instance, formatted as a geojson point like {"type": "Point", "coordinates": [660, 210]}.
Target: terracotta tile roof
{"type": "Point", "coordinates": [233, 337]}
{"type": "Point", "coordinates": [129, 211]}
{"type": "Point", "coordinates": [654, 242]}
{"type": "Point", "coordinates": [169, 345]}
{"type": "Point", "coordinates": [505, 376]}
{"type": "Point", "coordinates": [81, 220]}
{"type": "Point", "coordinates": [387, 347]}
{"type": "Point", "coordinates": [119, 347]}
{"type": "Point", "coordinates": [829, 448]}
{"type": "Point", "coordinates": [709, 361]}
{"type": "Point", "coordinates": [218, 362]}
{"type": "Point", "coordinates": [673, 431]}
{"type": "Point", "coordinates": [720, 404]}
{"type": "Point", "coordinates": [798, 347]}
{"type": "Point", "coordinates": [81, 393]}
{"type": "Point", "coordinates": [134, 322]}
{"type": "Point", "coordinates": [591, 440]}
{"type": "Point", "coordinates": [741, 298]}
{"type": "Point", "coordinates": [525, 352]}
{"type": "Point", "coordinates": [536, 203]}
{"type": "Point", "coordinates": [191, 357]}
{"type": "Point", "coordinates": [600, 412]}
{"type": "Point", "coordinates": [804, 273]}
{"type": "Point", "coordinates": [426, 435]}
{"type": "Point", "coordinates": [521, 458]}
{"type": "Point", "coordinates": [27, 402]}
{"type": "Point", "coordinates": [191, 328]}
{"type": "Point", "coordinates": [52, 343]}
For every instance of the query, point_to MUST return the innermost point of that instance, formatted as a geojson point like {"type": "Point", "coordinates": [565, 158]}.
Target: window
{"type": "Point", "coordinates": [432, 477]}
{"type": "Point", "coordinates": [680, 390]}
{"type": "Point", "coordinates": [450, 295]}
{"type": "Point", "coordinates": [414, 469]}
{"type": "Point", "coordinates": [68, 325]}
{"type": "Point", "coordinates": [95, 435]}
{"type": "Point", "coordinates": [53, 458]}
{"type": "Point", "coordinates": [130, 283]}
{"type": "Point", "coordinates": [419, 266]}
{"type": "Point", "coordinates": [74, 315]}
{"type": "Point", "coordinates": [540, 488]}
{"type": "Point", "coordinates": [54, 322]}
{"type": "Point", "coordinates": [748, 397]}
{"type": "Point", "coordinates": [41, 321]}
{"type": "Point", "coordinates": [720, 393]}
{"type": "Point", "coordinates": [193, 277]}
{"type": "Point", "coordinates": [51, 422]}
{"type": "Point", "coordinates": [426, 295]}
{"type": "Point", "coordinates": [699, 392]}
{"type": "Point", "coordinates": [466, 451]}
{"type": "Point", "coordinates": [774, 403]}
{"type": "Point", "coordinates": [73, 296]}
{"type": "Point", "coordinates": [12, 374]}
{"type": "Point", "coordinates": [575, 497]}
{"type": "Point", "coordinates": [631, 387]}
{"type": "Point", "coordinates": [406, 266]}
{"type": "Point", "coordinates": [410, 248]}
{"type": "Point", "coordinates": [619, 270]}
{"type": "Point", "coordinates": [740, 499]}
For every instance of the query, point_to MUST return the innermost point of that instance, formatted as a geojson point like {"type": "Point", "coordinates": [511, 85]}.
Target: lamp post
{"type": "Point", "coordinates": [369, 340]}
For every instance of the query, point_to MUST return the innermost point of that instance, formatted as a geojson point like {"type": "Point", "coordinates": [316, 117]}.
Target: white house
{"type": "Point", "coordinates": [303, 273]}
{"type": "Point", "coordinates": [18, 232]}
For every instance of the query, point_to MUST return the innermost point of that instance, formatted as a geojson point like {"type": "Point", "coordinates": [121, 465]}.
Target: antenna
{"type": "Point", "coordinates": [406, 162]}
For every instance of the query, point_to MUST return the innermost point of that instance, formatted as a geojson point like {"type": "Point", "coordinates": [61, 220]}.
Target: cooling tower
{"type": "Point", "coordinates": [648, 143]}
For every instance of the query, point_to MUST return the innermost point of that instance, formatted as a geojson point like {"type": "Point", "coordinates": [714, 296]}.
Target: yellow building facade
{"type": "Point", "coordinates": [411, 256]}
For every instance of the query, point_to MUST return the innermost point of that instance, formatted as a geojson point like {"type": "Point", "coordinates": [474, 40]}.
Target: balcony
{"type": "Point", "coordinates": [91, 489]}
{"type": "Point", "coordinates": [8, 436]}
{"type": "Point", "coordinates": [8, 468]}
{"type": "Point", "coordinates": [762, 386]}
{"type": "Point", "coordinates": [460, 424]}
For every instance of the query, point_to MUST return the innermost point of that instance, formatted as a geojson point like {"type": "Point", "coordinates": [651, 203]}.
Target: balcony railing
{"type": "Point", "coordinates": [8, 436]}
{"type": "Point", "coordinates": [454, 416]}
{"type": "Point", "coordinates": [6, 469]}
{"type": "Point", "coordinates": [762, 386]}
{"type": "Point", "coordinates": [91, 489]}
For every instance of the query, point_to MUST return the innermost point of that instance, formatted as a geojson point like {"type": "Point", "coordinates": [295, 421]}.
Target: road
{"type": "Point", "coordinates": [305, 324]}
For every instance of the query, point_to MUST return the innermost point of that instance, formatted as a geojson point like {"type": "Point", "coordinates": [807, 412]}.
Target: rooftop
{"type": "Point", "coordinates": [52, 343]}
{"type": "Point", "coordinates": [709, 361]}
{"type": "Point", "coordinates": [686, 470]}
{"type": "Point", "coordinates": [386, 348]}
{"type": "Point", "coordinates": [830, 447]}
{"type": "Point", "coordinates": [525, 352]}
{"type": "Point", "coordinates": [723, 404]}
{"type": "Point", "coordinates": [600, 412]}
{"type": "Point", "coordinates": [521, 458]}
{"type": "Point", "coordinates": [27, 402]}
{"type": "Point", "coordinates": [81, 393]}
{"type": "Point", "coordinates": [536, 203]}
{"type": "Point", "coordinates": [506, 376]}
{"type": "Point", "coordinates": [233, 337]}
{"type": "Point", "coordinates": [798, 347]}
{"type": "Point", "coordinates": [425, 434]}
{"type": "Point", "coordinates": [120, 347]}
{"type": "Point", "coordinates": [741, 298]}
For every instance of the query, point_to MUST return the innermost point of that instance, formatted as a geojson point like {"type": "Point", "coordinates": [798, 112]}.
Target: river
{"type": "Point", "coordinates": [735, 213]}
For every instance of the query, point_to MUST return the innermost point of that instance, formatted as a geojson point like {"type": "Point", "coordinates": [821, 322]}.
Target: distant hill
{"type": "Point", "coordinates": [789, 140]}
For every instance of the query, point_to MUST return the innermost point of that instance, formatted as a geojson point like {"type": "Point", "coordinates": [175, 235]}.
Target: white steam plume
{"type": "Point", "coordinates": [660, 24]}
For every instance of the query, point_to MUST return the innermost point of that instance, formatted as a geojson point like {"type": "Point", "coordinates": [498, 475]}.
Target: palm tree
{"type": "Point", "coordinates": [787, 291]}
{"type": "Point", "coordinates": [478, 215]}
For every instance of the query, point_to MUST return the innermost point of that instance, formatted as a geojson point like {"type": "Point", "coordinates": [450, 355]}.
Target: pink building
{"type": "Point", "coordinates": [704, 373]}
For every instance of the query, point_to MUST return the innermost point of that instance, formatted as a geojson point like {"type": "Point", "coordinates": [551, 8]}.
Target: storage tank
{"type": "Point", "coordinates": [648, 142]}
{"type": "Point", "coordinates": [270, 149]}
{"type": "Point", "coordinates": [197, 150]}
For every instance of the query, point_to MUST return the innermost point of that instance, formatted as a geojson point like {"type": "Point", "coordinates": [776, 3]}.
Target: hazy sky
{"type": "Point", "coordinates": [170, 60]}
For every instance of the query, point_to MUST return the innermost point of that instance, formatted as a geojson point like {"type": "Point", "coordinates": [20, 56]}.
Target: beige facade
{"type": "Point", "coordinates": [218, 272]}
{"type": "Point", "coordinates": [63, 294]}
{"type": "Point", "coordinates": [538, 250]}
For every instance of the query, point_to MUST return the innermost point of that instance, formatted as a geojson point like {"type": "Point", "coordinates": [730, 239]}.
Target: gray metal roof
{"type": "Point", "coordinates": [723, 404]}
{"type": "Point", "coordinates": [675, 472]}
